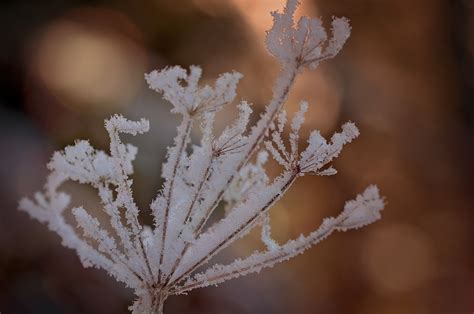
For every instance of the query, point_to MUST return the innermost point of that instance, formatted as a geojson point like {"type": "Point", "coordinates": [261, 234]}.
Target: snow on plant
{"type": "Point", "coordinates": [161, 260]}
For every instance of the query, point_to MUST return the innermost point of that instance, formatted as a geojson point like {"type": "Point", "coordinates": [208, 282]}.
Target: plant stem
{"type": "Point", "coordinates": [158, 305]}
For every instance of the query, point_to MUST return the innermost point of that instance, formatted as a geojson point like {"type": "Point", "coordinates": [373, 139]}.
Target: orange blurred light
{"type": "Point", "coordinates": [256, 13]}
{"type": "Point", "coordinates": [86, 65]}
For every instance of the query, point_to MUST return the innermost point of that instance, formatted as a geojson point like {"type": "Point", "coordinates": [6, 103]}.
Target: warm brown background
{"type": "Point", "coordinates": [405, 77]}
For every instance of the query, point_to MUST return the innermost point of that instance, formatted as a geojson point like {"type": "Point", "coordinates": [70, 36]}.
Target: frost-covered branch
{"type": "Point", "coordinates": [357, 213]}
{"type": "Point", "coordinates": [222, 168]}
{"type": "Point", "coordinates": [190, 101]}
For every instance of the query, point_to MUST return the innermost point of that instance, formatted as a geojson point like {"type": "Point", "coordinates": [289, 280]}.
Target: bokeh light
{"type": "Point", "coordinates": [88, 66]}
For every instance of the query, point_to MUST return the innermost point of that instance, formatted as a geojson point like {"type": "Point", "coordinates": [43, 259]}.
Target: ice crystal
{"type": "Point", "coordinates": [161, 260]}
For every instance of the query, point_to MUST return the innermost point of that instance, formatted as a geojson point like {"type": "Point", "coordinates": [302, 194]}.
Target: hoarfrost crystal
{"type": "Point", "coordinates": [161, 260]}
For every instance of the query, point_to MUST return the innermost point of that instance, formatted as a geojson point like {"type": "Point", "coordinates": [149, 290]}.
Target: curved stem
{"type": "Point", "coordinates": [188, 215]}
{"type": "Point", "coordinates": [267, 259]}
{"type": "Point", "coordinates": [239, 231]}
{"type": "Point", "coordinates": [258, 134]}
{"type": "Point", "coordinates": [181, 143]}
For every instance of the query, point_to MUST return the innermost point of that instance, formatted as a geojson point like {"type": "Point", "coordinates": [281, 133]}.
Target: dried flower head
{"type": "Point", "coordinates": [161, 260]}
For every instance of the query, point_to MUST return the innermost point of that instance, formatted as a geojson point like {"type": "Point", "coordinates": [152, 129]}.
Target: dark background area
{"type": "Point", "coordinates": [405, 77]}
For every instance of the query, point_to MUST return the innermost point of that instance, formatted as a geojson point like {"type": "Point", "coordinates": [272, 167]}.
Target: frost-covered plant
{"type": "Point", "coordinates": [161, 260]}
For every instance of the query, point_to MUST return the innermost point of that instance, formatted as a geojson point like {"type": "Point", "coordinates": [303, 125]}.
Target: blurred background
{"type": "Point", "coordinates": [405, 77]}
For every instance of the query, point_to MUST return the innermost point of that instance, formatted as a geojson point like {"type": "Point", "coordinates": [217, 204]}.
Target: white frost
{"type": "Point", "coordinates": [160, 260]}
